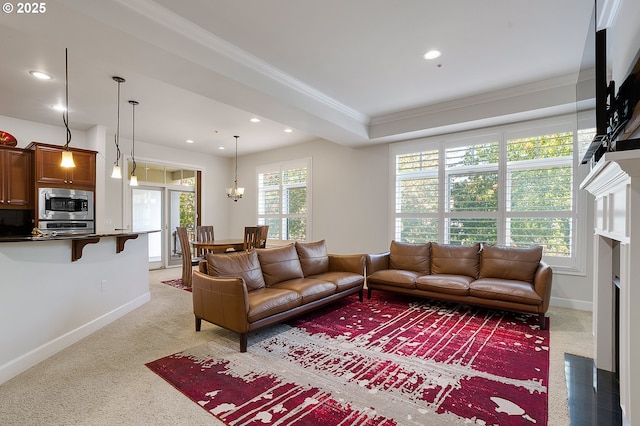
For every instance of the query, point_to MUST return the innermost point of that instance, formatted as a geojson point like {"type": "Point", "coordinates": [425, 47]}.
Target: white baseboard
{"type": "Point", "coordinates": [580, 305]}
{"type": "Point", "coordinates": [39, 354]}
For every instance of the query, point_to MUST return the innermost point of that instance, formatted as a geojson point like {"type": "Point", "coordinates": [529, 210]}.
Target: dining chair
{"type": "Point", "coordinates": [250, 237]}
{"type": "Point", "coordinates": [263, 232]}
{"type": "Point", "coordinates": [204, 233]}
{"type": "Point", "coordinates": [188, 262]}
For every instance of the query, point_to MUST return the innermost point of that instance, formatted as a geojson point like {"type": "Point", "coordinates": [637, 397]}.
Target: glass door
{"type": "Point", "coordinates": [165, 199]}
{"type": "Point", "coordinates": [182, 212]}
{"type": "Point", "coordinates": [146, 215]}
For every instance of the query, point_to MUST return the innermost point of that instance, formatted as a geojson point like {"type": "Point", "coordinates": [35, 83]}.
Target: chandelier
{"type": "Point", "coordinates": [235, 193]}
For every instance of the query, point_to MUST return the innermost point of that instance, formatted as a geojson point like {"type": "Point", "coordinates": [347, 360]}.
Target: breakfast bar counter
{"type": "Point", "coordinates": [58, 289]}
{"type": "Point", "coordinates": [78, 241]}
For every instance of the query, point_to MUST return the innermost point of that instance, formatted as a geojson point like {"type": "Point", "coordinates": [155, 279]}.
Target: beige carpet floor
{"type": "Point", "coordinates": [102, 380]}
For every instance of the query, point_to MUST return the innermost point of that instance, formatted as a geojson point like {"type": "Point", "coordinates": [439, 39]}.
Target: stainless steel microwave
{"type": "Point", "coordinates": [65, 204]}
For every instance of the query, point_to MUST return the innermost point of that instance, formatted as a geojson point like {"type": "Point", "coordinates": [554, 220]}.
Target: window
{"type": "Point", "coordinates": [539, 192]}
{"type": "Point", "coordinates": [514, 187]}
{"type": "Point", "coordinates": [284, 199]}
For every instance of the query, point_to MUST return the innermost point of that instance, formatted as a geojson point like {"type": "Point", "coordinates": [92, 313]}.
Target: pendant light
{"type": "Point", "coordinates": [67, 155]}
{"type": "Point", "coordinates": [133, 181]}
{"type": "Point", "coordinates": [235, 193]}
{"type": "Point", "coordinates": [117, 171]}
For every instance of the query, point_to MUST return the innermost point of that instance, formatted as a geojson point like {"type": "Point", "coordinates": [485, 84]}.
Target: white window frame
{"type": "Point", "coordinates": [574, 265]}
{"type": "Point", "coordinates": [284, 214]}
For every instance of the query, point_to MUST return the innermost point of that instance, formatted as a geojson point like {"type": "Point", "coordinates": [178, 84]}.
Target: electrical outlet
{"type": "Point", "coordinates": [103, 285]}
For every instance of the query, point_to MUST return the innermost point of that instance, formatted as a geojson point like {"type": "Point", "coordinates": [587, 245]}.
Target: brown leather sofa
{"type": "Point", "coordinates": [244, 291]}
{"type": "Point", "coordinates": [506, 278]}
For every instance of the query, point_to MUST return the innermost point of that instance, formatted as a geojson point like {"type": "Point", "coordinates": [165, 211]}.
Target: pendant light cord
{"type": "Point", "coordinates": [236, 179]}
{"type": "Point", "coordinates": [133, 136]}
{"type": "Point", "coordinates": [65, 113]}
{"type": "Point", "coordinates": [117, 136]}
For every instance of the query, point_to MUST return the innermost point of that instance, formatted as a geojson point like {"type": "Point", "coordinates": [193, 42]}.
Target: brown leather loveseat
{"type": "Point", "coordinates": [506, 278]}
{"type": "Point", "coordinates": [245, 291]}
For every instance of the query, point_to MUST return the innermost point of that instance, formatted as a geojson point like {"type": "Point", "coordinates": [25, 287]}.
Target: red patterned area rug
{"type": "Point", "coordinates": [177, 283]}
{"type": "Point", "coordinates": [390, 360]}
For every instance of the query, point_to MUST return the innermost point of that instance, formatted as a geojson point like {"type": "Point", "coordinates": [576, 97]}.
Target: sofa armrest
{"type": "Point", "coordinates": [377, 262]}
{"type": "Point", "coordinates": [542, 284]}
{"type": "Point", "coordinates": [221, 301]}
{"type": "Point", "coordinates": [347, 263]}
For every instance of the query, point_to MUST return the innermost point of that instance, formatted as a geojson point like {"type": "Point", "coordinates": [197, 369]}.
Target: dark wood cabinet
{"type": "Point", "coordinates": [16, 182]}
{"type": "Point", "coordinates": [49, 173]}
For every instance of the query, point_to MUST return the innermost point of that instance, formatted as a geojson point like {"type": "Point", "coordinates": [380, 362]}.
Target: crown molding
{"type": "Point", "coordinates": [187, 29]}
{"type": "Point", "coordinates": [471, 101]}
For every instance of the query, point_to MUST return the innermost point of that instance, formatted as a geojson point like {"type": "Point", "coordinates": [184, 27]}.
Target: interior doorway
{"type": "Point", "coordinates": [167, 197]}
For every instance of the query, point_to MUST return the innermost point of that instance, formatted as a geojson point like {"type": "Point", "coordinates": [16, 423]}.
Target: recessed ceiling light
{"type": "Point", "coordinates": [40, 75]}
{"type": "Point", "coordinates": [189, 141]}
{"type": "Point", "coordinates": [432, 54]}
{"type": "Point", "coordinates": [255, 120]}
{"type": "Point", "coordinates": [59, 107]}
{"type": "Point", "coordinates": [221, 148]}
{"type": "Point", "coordinates": [288, 130]}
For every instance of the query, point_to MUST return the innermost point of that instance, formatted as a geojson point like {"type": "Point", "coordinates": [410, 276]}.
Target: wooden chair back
{"type": "Point", "coordinates": [250, 237]}
{"type": "Point", "coordinates": [204, 233]}
{"type": "Point", "coordinates": [263, 232]}
{"type": "Point", "coordinates": [185, 249]}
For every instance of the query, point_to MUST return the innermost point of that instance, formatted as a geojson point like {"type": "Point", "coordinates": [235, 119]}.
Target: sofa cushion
{"type": "Point", "coordinates": [310, 289]}
{"type": "Point", "coordinates": [394, 278]}
{"type": "Point", "coordinates": [447, 284]}
{"type": "Point", "coordinates": [343, 280]}
{"type": "Point", "coordinates": [455, 259]}
{"type": "Point", "coordinates": [238, 264]}
{"type": "Point", "coordinates": [313, 257]}
{"type": "Point", "coordinates": [265, 302]}
{"type": "Point", "coordinates": [510, 263]}
{"type": "Point", "coordinates": [279, 264]}
{"type": "Point", "coordinates": [506, 290]}
{"type": "Point", "coordinates": [410, 257]}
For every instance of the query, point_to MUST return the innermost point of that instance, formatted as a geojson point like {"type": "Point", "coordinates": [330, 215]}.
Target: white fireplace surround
{"type": "Point", "coordinates": [615, 184]}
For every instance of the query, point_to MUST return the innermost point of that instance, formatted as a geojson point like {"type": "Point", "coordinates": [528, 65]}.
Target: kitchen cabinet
{"type": "Point", "coordinates": [49, 173]}
{"type": "Point", "coordinates": [16, 182]}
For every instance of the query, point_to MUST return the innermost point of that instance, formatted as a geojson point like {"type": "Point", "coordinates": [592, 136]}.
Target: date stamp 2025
{"type": "Point", "coordinates": [25, 8]}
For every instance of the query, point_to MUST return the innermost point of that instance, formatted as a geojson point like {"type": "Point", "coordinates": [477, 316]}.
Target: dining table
{"type": "Point", "coordinates": [219, 245]}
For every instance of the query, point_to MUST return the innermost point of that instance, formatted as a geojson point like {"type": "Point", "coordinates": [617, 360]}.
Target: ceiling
{"type": "Point", "coordinates": [346, 71]}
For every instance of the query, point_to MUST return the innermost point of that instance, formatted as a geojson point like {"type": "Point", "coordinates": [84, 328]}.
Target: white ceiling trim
{"type": "Point", "coordinates": [471, 101]}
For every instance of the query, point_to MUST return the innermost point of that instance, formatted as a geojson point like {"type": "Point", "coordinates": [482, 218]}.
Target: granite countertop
{"type": "Point", "coordinates": [51, 237]}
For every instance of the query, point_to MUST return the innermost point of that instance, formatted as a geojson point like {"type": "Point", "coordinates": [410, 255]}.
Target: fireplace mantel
{"type": "Point", "coordinates": [615, 184]}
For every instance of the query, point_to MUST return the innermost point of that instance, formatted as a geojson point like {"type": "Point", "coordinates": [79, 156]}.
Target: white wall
{"type": "Point", "coordinates": [350, 194]}
{"type": "Point", "coordinates": [28, 131]}
{"type": "Point", "coordinates": [623, 40]}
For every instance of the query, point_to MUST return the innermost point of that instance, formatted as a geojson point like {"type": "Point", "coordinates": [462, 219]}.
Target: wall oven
{"type": "Point", "coordinates": [65, 211]}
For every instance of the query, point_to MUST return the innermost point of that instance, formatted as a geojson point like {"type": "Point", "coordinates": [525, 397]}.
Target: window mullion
{"type": "Point", "coordinates": [504, 193]}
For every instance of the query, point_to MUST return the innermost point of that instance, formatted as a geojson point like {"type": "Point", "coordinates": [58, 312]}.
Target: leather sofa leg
{"type": "Point", "coordinates": [368, 293]}
{"type": "Point", "coordinates": [243, 342]}
{"type": "Point", "coordinates": [543, 321]}
{"type": "Point", "coordinates": [361, 295]}
{"type": "Point", "coordinates": [198, 323]}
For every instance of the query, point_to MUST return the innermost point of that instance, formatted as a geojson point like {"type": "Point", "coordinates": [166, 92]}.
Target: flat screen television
{"type": "Point", "coordinates": [603, 93]}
